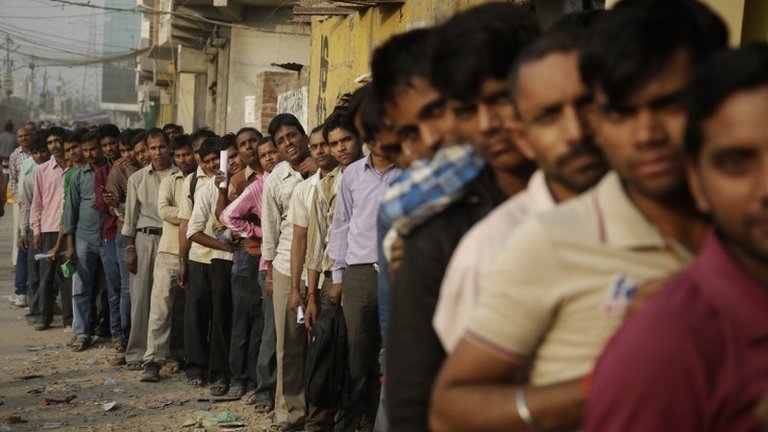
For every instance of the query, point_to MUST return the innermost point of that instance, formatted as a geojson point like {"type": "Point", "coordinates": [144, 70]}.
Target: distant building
{"type": "Point", "coordinates": [122, 32]}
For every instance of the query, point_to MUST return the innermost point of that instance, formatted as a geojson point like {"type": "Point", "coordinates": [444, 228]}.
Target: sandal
{"type": "Point", "coordinates": [263, 407]}
{"type": "Point", "coordinates": [134, 366]}
{"type": "Point", "coordinates": [219, 388]}
{"type": "Point", "coordinates": [236, 392]}
{"type": "Point", "coordinates": [195, 381]}
{"type": "Point", "coordinates": [172, 367]}
{"type": "Point", "coordinates": [81, 343]}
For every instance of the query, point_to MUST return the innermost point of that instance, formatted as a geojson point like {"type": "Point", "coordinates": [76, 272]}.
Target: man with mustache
{"type": "Point", "coordinates": [553, 131]}
{"type": "Point", "coordinates": [559, 286]}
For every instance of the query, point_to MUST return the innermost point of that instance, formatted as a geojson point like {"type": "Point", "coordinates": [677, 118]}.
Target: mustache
{"type": "Point", "coordinates": [587, 148]}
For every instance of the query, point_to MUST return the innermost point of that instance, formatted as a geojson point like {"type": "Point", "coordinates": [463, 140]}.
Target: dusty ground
{"type": "Point", "coordinates": [163, 406]}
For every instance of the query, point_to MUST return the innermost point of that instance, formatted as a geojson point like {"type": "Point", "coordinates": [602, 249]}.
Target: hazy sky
{"type": "Point", "coordinates": [53, 31]}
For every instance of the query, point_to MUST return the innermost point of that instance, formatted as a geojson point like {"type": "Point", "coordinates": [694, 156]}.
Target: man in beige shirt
{"type": "Point", "coordinates": [166, 310]}
{"type": "Point", "coordinates": [559, 286]}
{"type": "Point", "coordinates": [142, 229]}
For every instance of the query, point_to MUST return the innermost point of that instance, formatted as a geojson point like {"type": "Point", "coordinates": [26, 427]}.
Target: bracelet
{"type": "Point", "coordinates": [523, 411]}
{"type": "Point", "coordinates": [130, 247]}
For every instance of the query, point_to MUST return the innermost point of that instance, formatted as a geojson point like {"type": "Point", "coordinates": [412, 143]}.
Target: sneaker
{"type": "Point", "coordinates": [21, 300]}
{"type": "Point", "coordinates": [151, 372]}
{"type": "Point", "coordinates": [12, 298]}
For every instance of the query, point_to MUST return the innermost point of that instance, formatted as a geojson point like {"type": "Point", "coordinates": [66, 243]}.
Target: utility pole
{"type": "Point", "coordinates": [8, 64]}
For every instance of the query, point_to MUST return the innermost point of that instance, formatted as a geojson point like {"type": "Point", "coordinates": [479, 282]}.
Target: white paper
{"type": "Point", "coordinates": [223, 163]}
{"type": "Point", "coordinates": [300, 315]}
{"type": "Point", "coordinates": [40, 256]}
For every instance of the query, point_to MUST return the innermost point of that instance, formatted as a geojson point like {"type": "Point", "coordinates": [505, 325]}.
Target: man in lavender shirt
{"type": "Point", "coordinates": [353, 249]}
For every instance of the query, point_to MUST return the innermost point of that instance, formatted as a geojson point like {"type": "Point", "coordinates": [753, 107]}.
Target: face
{"type": "Point", "coordinates": [553, 104]}
{"type": "Point", "coordinates": [158, 149]}
{"type": "Point", "coordinates": [319, 152]}
{"type": "Point", "coordinates": [268, 156]}
{"type": "Point", "coordinates": [291, 144]}
{"type": "Point", "coordinates": [172, 133]}
{"type": "Point", "coordinates": [141, 152]}
{"type": "Point", "coordinates": [73, 153]}
{"type": "Point", "coordinates": [40, 156]}
{"type": "Point", "coordinates": [54, 145]}
{"type": "Point", "coordinates": [23, 137]}
{"type": "Point", "coordinates": [110, 147]}
{"type": "Point", "coordinates": [126, 152]}
{"type": "Point", "coordinates": [420, 118]}
{"type": "Point", "coordinates": [642, 137]}
{"type": "Point", "coordinates": [344, 146]}
{"type": "Point", "coordinates": [730, 178]}
{"type": "Point", "coordinates": [196, 147]}
{"type": "Point", "coordinates": [211, 162]}
{"type": "Point", "coordinates": [92, 151]}
{"type": "Point", "coordinates": [234, 164]}
{"type": "Point", "coordinates": [184, 159]}
{"type": "Point", "coordinates": [483, 122]}
{"type": "Point", "coordinates": [246, 148]}
{"type": "Point", "coordinates": [392, 149]}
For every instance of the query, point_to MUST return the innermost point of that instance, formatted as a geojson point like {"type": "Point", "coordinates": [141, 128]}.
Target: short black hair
{"type": "Point", "coordinates": [9, 126]}
{"type": "Point", "coordinates": [38, 143]}
{"type": "Point", "coordinates": [138, 137]}
{"type": "Point", "coordinates": [126, 137]}
{"type": "Point", "coordinates": [249, 129]}
{"type": "Point", "coordinates": [210, 145]}
{"type": "Point", "coordinates": [722, 75]}
{"type": "Point", "coordinates": [267, 139]}
{"type": "Point", "coordinates": [316, 129]}
{"type": "Point", "coordinates": [284, 119]}
{"type": "Point", "coordinates": [108, 130]}
{"type": "Point", "coordinates": [169, 126]}
{"type": "Point", "coordinates": [180, 141]}
{"type": "Point", "coordinates": [89, 136]}
{"type": "Point", "coordinates": [339, 119]}
{"type": "Point", "coordinates": [227, 141]}
{"type": "Point", "coordinates": [202, 133]}
{"type": "Point", "coordinates": [54, 131]}
{"type": "Point", "coordinates": [364, 103]}
{"type": "Point", "coordinates": [71, 136]}
{"type": "Point", "coordinates": [401, 58]}
{"type": "Point", "coordinates": [634, 40]}
{"type": "Point", "coordinates": [478, 44]}
{"type": "Point", "coordinates": [565, 36]}
{"type": "Point", "coordinates": [157, 132]}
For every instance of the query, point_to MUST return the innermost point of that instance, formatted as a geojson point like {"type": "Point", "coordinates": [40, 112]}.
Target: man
{"type": "Point", "coordinates": [45, 221]}
{"type": "Point", "coordinates": [7, 144]}
{"type": "Point", "coordinates": [133, 150]}
{"type": "Point", "coordinates": [354, 276]}
{"type": "Point", "coordinates": [84, 230]}
{"type": "Point", "coordinates": [298, 215]}
{"type": "Point", "coordinates": [109, 139]}
{"type": "Point", "coordinates": [164, 313]}
{"type": "Point", "coordinates": [553, 131]}
{"type": "Point", "coordinates": [216, 313]}
{"type": "Point", "coordinates": [478, 97]}
{"type": "Point", "coordinates": [345, 147]}
{"type": "Point", "coordinates": [142, 230]}
{"type": "Point", "coordinates": [243, 218]}
{"type": "Point", "coordinates": [172, 130]}
{"type": "Point", "coordinates": [703, 332]}
{"type": "Point", "coordinates": [194, 266]}
{"type": "Point", "coordinates": [21, 153]}
{"type": "Point", "coordinates": [291, 142]}
{"type": "Point", "coordinates": [559, 286]}
{"type": "Point", "coordinates": [29, 283]}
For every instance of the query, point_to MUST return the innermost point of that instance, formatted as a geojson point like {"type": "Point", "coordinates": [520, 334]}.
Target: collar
{"type": "Point", "coordinates": [739, 298]}
{"type": "Point", "coordinates": [540, 198]}
{"type": "Point", "coordinates": [199, 172]}
{"type": "Point", "coordinates": [249, 172]}
{"type": "Point", "coordinates": [151, 169]}
{"type": "Point", "coordinates": [369, 165]}
{"type": "Point", "coordinates": [620, 222]}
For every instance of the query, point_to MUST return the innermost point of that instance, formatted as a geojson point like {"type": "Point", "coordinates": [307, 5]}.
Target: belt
{"type": "Point", "coordinates": [151, 231]}
{"type": "Point", "coordinates": [364, 265]}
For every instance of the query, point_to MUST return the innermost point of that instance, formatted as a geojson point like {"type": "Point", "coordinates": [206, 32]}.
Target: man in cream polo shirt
{"type": "Point", "coordinates": [558, 288]}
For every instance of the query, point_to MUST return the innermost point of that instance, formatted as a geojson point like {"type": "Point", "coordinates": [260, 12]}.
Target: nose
{"type": "Point", "coordinates": [648, 129]}
{"type": "Point", "coordinates": [488, 120]}
{"type": "Point", "coordinates": [573, 129]}
{"type": "Point", "coordinates": [431, 138]}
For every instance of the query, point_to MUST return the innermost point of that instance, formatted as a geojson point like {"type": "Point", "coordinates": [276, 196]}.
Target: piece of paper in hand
{"type": "Point", "coordinates": [40, 256]}
{"type": "Point", "coordinates": [223, 164]}
{"type": "Point", "coordinates": [300, 315]}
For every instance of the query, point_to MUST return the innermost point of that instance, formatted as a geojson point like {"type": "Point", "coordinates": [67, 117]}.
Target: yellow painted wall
{"type": "Point", "coordinates": [341, 46]}
{"type": "Point", "coordinates": [755, 26]}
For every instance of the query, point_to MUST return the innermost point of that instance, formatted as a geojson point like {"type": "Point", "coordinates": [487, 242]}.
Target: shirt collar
{"type": "Point", "coordinates": [200, 172]}
{"type": "Point", "coordinates": [369, 165]}
{"type": "Point", "coordinates": [539, 196]}
{"type": "Point", "coordinates": [739, 298]}
{"type": "Point", "coordinates": [620, 222]}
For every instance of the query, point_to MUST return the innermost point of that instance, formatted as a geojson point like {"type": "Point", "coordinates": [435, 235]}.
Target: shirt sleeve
{"type": "Point", "coordinates": [13, 180]}
{"type": "Point", "coordinates": [518, 293]}
{"type": "Point", "coordinates": [36, 209]}
{"type": "Point", "coordinates": [132, 206]}
{"type": "Point", "coordinates": [185, 203]}
{"type": "Point", "coordinates": [316, 230]}
{"type": "Point", "coordinates": [166, 201]}
{"type": "Point", "coordinates": [339, 229]}
{"type": "Point", "coordinates": [201, 212]}
{"type": "Point", "coordinates": [72, 205]}
{"type": "Point", "coordinates": [25, 202]}
{"type": "Point", "coordinates": [298, 213]}
{"type": "Point", "coordinates": [270, 220]}
{"type": "Point", "coordinates": [237, 216]}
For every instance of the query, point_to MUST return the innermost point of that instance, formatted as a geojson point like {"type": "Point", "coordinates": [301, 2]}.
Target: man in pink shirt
{"type": "Point", "coordinates": [45, 220]}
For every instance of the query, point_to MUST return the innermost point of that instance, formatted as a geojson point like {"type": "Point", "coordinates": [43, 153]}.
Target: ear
{"type": "Point", "coordinates": [695, 184]}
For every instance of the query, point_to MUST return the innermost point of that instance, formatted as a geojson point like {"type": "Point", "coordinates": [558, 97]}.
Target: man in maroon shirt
{"type": "Point", "coordinates": [696, 357]}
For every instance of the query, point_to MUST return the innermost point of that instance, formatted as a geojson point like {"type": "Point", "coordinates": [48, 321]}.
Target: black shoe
{"type": "Point", "coordinates": [151, 372]}
{"type": "Point", "coordinates": [40, 326]}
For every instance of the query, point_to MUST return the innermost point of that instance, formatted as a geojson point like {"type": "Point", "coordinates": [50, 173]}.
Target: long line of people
{"type": "Point", "coordinates": [454, 248]}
